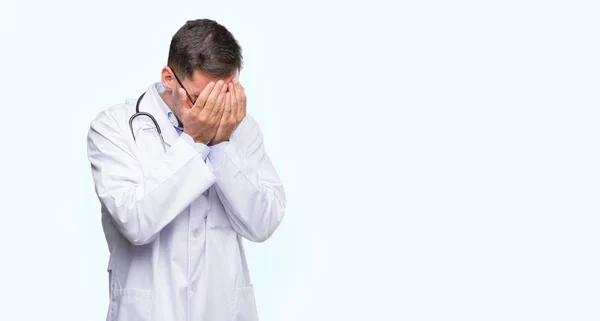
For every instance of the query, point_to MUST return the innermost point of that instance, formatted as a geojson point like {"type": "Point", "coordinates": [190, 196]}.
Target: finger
{"type": "Point", "coordinates": [201, 101]}
{"type": "Point", "coordinates": [218, 109]}
{"type": "Point", "coordinates": [231, 114]}
{"type": "Point", "coordinates": [243, 103]}
{"type": "Point", "coordinates": [234, 101]}
{"type": "Point", "coordinates": [212, 98]}
{"type": "Point", "coordinates": [227, 108]}
{"type": "Point", "coordinates": [239, 91]}
{"type": "Point", "coordinates": [183, 101]}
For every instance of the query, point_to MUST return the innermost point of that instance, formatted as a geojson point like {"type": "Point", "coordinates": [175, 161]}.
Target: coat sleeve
{"type": "Point", "coordinates": [142, 205]}
{"type": "Point", "coordinates": [248, 185]}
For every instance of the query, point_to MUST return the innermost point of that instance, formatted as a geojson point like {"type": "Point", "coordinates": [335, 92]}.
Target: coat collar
{"type": "Point", "coordinates": [152, 103]}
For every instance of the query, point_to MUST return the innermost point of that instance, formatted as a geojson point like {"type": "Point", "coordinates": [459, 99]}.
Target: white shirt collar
{"type": "Point", "coordinates": [161, 89]}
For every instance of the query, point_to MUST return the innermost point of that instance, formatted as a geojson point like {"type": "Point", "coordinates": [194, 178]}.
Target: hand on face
{"type": "Point", "coordinates": [233, 113]}
{"type": "Point", "coordinates": [202, 120]}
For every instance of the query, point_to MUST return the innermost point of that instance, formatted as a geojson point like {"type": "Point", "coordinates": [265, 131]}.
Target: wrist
{"type": "Point", "coordinates": [214, 142]}
{"type": "Point", "coordinates": [197, 139]}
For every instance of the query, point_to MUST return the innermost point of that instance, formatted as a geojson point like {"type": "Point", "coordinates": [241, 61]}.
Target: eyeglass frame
{"type": "Point", "coordinates": [182, 86]}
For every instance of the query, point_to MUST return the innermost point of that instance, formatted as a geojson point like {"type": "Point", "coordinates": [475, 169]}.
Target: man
{"type": "Point", "coordinates": [181, 184]}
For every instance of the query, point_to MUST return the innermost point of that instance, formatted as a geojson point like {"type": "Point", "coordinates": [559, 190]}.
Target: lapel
{"type": "Point", "coordinates": [151, 104]}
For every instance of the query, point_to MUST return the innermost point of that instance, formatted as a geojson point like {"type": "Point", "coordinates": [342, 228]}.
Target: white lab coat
{"type": "Point", "coordinates": [174, 222]}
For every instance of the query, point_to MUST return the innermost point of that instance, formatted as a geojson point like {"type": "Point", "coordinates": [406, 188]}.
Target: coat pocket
{"type": "Point", "coordinates": [132, 304]}
{"type": "Point", "coordinates": [244, 305]}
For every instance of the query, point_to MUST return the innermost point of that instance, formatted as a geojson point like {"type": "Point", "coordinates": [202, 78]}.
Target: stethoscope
{"type": "Point", "coordinates": [141, 113]}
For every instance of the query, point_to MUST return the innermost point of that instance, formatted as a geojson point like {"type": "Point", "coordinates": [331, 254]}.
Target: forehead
{"type": "Point", "coordinates": [201, 80]}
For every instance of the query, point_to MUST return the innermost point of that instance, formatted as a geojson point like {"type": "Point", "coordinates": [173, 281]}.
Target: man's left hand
{"type": "Point", "coordinates": [234, 113]}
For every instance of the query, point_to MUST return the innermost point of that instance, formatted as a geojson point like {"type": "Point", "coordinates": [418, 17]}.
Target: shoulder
{"type": "Point", "coordinates": [108, 129]}
{"type": "Point", "coordinates": [113, 116]}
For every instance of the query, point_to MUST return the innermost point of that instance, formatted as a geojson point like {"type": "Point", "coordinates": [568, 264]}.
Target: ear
{"type": "Point", "coordinates": [167, 79]}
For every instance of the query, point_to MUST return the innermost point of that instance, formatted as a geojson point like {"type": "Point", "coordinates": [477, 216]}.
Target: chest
{"type": "Point", "coordinates": [205, 211]}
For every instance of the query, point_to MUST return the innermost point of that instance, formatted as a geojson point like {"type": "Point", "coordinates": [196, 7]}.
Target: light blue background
{"type": "Point", "coordinates": [440, 158]}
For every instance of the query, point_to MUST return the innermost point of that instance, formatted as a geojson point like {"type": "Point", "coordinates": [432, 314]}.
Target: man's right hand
{"type": "Point", "coordinates": [202, 120]}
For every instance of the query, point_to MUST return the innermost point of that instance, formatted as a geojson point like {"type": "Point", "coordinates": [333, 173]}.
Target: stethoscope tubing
{"type": "Point", "coordinates": [141, 113]}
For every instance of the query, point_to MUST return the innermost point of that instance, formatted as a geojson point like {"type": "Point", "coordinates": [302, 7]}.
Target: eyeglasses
{"type": "Point", "coordinates": [181, 84]}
